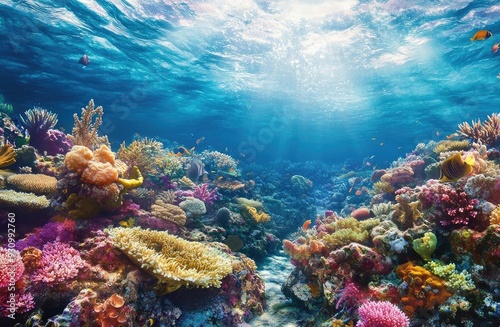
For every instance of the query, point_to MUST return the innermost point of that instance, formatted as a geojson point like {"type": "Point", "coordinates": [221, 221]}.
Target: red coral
{"type": "Point", "coordinates": [453, 207]}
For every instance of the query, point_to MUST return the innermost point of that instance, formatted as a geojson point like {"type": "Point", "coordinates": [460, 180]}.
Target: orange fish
{"type": "Point", "coordinates": [494, 48]}
{"type": "Point", "coordinates": [358, 192]}
{"type": "Point", "coordinates": [306, 224]}
{"type": "Point", "coordinates": [481, 35]}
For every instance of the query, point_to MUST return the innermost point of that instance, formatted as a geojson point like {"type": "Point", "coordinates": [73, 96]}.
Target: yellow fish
{"type": "Point", "coordinates": [481, 35]}
{"type": "Point", "coordinates": [455, 167]}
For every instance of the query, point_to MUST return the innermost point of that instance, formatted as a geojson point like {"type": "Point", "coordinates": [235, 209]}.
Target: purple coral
{"type": "Point", "coordinates": [202, 193]}
{"type": "Point", "coordinates": [56, 142]}
{"type": "Point", "coordinates": [53, 231]}
{"type": "Point", "coordinates": [59, 262]}
{"type": "Point", "coordinates": [453, 207]}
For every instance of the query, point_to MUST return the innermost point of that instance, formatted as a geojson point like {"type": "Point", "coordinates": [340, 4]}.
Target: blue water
{"type": "Point", "coordinates": [299, 80]}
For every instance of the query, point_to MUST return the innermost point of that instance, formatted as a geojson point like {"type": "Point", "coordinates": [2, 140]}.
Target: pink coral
{"type": "Point", "coordinates": [453, 206]}
{"type": "Point", "coordinates": [59, 262]}
{"type": "Point", "coordinates": [201, 193]}
{"type": "Point", "coordinates": [11, 266]}
{"type": "Point", "coordinates": [18, 303]}
{"type": "Point", "coordinates": [381, 314]}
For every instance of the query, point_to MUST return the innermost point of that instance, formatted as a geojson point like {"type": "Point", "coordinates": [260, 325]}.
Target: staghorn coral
{"type": "Point", "coordinates": [12, 199]}
{"type": "Point", "coordinates": [424, 289]}
{"type": "Point", "coordinates": [381, 314]}
{"type": "Point", "coordinates": [142, 153]}
{"type": "Point", "coordinates": [85, 129]}
{"type": "Point", "coordinates": [486, 133]}
{"type": "Point", "coordinates": [35, 183]}
{"type": "Point", "coordinates": [173, 261]}
{"type": "Point", "coordinates": [202, 193]}
{"type": "Point", "coordinates": [7, 156]}
{"type": "Point", "coordinates": [169, 212]}
{"type": "Point", "coordinates": [59, 263]}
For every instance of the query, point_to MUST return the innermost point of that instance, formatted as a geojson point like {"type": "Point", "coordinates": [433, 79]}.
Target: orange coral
{"type": "Point", "coordinates": [78, 158]}
{"type": "Point", "coordinates": [31, 257]}
{"type": "Point", "coordinates": [303, 251]}
{"type": "Point", "coordinates": [94, 168]}
{"type": "Point", "coordinates": [425, 290]}
{"type": "Point", "coordinates": [112, 312]}
{"type": "Point", "coordinates": [7, 156]}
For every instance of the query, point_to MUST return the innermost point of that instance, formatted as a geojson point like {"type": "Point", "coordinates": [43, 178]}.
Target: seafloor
{"type": "Point", "coordinates": [144, 235]}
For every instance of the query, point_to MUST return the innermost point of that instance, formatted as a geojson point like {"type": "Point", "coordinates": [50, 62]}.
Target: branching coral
{"type": "Point", "coordinates": [60, 262]}
{"type": "Point", "coordinates": [11, 266]}
{"type": "Point", "coordinates": [85, 131]}
{"type": "Point", "coordinates": [141, 153]}
{"type": "Point", "coordinates": [486, 133]}
{"type": "Point", "coordinates": [252, 214]}
{"type": "Point", "coordinates": [381, 314]}
{"type": "Point", "coordinates": [453, 207]}
{"type": "Point", "coordinates": [173, 261]}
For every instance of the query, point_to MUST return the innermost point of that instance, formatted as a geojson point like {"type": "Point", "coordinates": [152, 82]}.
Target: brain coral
{"type": "Point", "coordinates": [35, 183]}
{"type": "Point", "coordinates": [94, 168]}
{"type": "Point", "coordinates": [173, 261]}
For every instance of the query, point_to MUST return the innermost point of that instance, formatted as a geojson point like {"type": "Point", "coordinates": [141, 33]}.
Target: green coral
{"type": "Point", "coordinates": [5, 108]}
{"type": "Point", "coordinates": [453, 280]}
{"type": "Point", "coordinates": [425, 245]}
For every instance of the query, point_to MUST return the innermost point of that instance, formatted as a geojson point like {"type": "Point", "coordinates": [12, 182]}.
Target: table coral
{"type": "Point", "coordinates": [13, 199]}
{"type": "Point", "coordinates": [424, 289]}
{"type": "Point", "coordinates": [173, 261]}
{"type": "Point", "coordinates": [34, 183]}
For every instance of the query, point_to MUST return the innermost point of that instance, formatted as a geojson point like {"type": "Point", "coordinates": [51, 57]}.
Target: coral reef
{"type": "Point", "coordinates": [173, 261]}
{"type": "Point", "coordinates": [381, 314]}
{"type": "Point", "coordinates": [85, 130]}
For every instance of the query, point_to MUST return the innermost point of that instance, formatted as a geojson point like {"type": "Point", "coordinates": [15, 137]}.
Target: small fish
{"type": "Point", "coordinates": [381, 143]}
{"type": "Point", "coordinates": [201, 139]}
{"type": "Point", "coordinates": [494, 48]}
{"type": "Point", "coordinates": [358, 192]}
{"type": "Point", "coordinates": [455, 168]}
{"type": "Point", "coordinates": [437, 133]}
{"type": "Point", "coordinates": [183, 151]}
{"type": "Point", "coordinates": [306, 224]}
{"type": "Point", "coordinates": [150, 322]}
{"type": "Point", "coordinates": [451, 136]}
{"type": "Point", "coordinates": [368, 164]}
{"type": "Point", "coordinates": [374, 138]}
{"type": "Point", "coordinates": [481, 35]}
{"type": "Point", "coordinates": [84, 60]}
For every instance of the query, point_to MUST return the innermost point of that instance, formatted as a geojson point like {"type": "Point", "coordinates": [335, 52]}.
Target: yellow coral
{"type": "Point", "coordinates": [35, 183]}
{"type": "Point", "coordinates": [451, 145]}
{"type": "Point", "coordinates": [10, 199]}
{"type": "Point", "coordinates": [186, 183]}
{"type": "Point", "coordinates": [495, 216]}
{"type": "Point", "coordinates": [134, 180]}
{"type": "Point", "coordinates": [253, 214]}
{"type": "Point", "coordinates": [169, 212]}
{"type": "Point", "coordinates": [453, 280]}
{"type": "Point", "coordinates": [425, 245]}
{"type": "Point", "coordinates": [344, 231]}
{"type": "Point", "coordinates": [173, 261]}
{"type": "Point", "coordinates": [7, 156]}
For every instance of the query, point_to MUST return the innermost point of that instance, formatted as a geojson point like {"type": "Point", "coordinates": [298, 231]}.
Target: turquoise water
{"type": "Point", "coordinates": [307, 80]}
{"type": "Point", "coordinates": [295, 109]}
